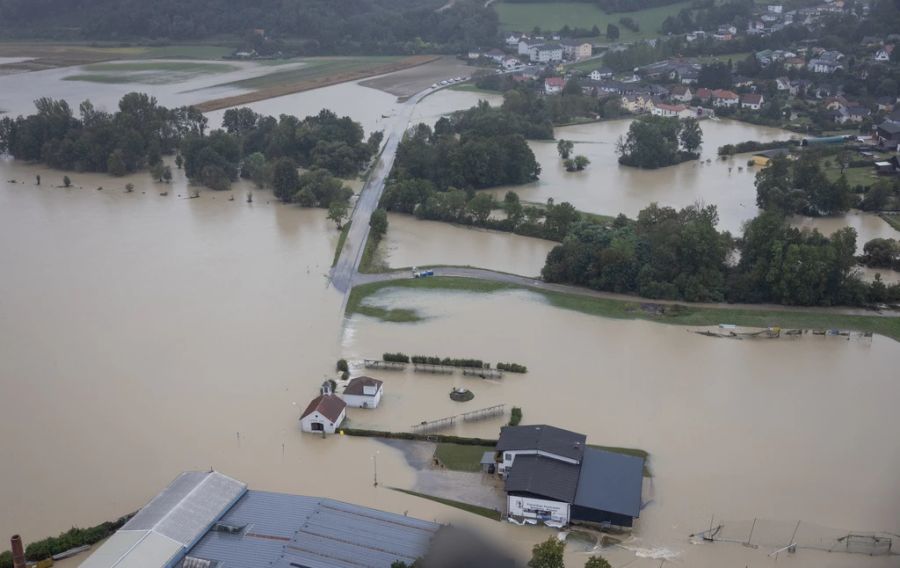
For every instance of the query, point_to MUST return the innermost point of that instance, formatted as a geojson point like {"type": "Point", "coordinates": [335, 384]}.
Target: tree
{"type": "Point", "coordinates": [157, 171]}
{"type": "Point", "coordinates": [378, 223]}
{"type": "Point", "coordinates": [481, 206]}
{"type": "Point", "coordinates": [179, 161]}
{"type": "Point", "coordinates": [564, 147]}
{"type": "Point", "coordinates": [612, 32]}
{"type": "Point", "coordinates": [513, 207]}
{"type": "Point", "coordinates": [167, 174]}
{"type": "Point", "coordinates": [691, 135]}
{"type": "Point", "coordinates": [115, 165]}
{"type": "Point", "coordinates": [285, 179]}
{"type": "Point", "coordinates": [214, 177]}
{"type": "Point", "coordinates": [254, 168]}
{"type": "Point", "coordinates": [337, 212]}
{"type": "Point", "coordinates": [581, 162]}
{"type": "Point", "coordinates": [548, 554]}
{"type": "Point", "coordinates": [597, 562]}
{"type": "Point", "coordinates": [67, 182]}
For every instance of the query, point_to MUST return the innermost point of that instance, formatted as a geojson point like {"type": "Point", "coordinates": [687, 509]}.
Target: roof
{"type": "Point", "coordinates": [276, 530]}
{"type": "Point", "coordinates": [328, 405]}
{"type": "Point", "coordinates": [751, 98]}
{"type": "Point", "coordinates": [610, 482]}
{"type": "Point", "coordinates": [890, 127]}
{"type": "Point", "coordinates": [170, 523]}
{"type": "Point", "coordinates": [487, 458]}
{"type": "Point", "coordinates": [545, 477]}
{"type": "Point", "coordinates": [724, 94]}
{"type": "Point", "coordinates": [544, 438]}
{"type": "Point", "coordinates": [555, 81]}
{"type": "Point", "coordinates": [355, 386]}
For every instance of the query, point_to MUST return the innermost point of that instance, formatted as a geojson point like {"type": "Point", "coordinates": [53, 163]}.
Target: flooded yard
{"type": "Point", "coordinates": [410, 242]}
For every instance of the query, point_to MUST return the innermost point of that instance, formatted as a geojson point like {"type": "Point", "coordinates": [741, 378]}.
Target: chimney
{"type": "Point", "coordinates": [18, 553]}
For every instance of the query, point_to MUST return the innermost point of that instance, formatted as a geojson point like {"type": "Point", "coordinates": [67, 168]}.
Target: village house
{"type": "Point", "coordinates": [794, 63]}
{"type": "Point", "coordinates": [525, 45]}
{"type": "Point", "coordinates": [325, 413]}
{"type": "Point", "coordinates": [546, 53]}
{"type": "Point", "coordinates": [724, 98]}
{"type": "Point", "coordinates": [496, 55]}
{"type": "Point", "coordinates": [363, 392]}
{"type": "Point", "coordinates": [884, 54]}
{"type": "Point", "coordinates": [553, 85]}
{"type": "Point", "coordinates": [826, 62]}
{"type": "Point", "coordinates": [514, 38]}
{"type": "Point", "coordinates": [552, 476]}
{"type": "Point", "coordinates": [783, 84]}
{"type": "Point", "coordinates": [667, 110]}
{"type": "Point", "coordinates": [636, 103]}
{"type": "Point", "coordinates": [510, 63]}
{"type": "Point", "coordinates": [752, 101]}
{"type": "Point", "coordinates": [601, 73]}
{"type": "Point", "coordinates": [681, 93]}
{"type": "Point", "coordinates": [703, 94]}
{"type": "Point", "coordinates": [576, 50]}
{"type": "Point", "coordinates": [886, 104]}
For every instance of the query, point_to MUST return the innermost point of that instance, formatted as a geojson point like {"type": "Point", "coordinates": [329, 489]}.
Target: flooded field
{"type": "Point", "coordinates": [750, 432]}
{"type": "Point", "coordinates": [867, 225]}
{"type": "Point", "coordinates": [410, 242]}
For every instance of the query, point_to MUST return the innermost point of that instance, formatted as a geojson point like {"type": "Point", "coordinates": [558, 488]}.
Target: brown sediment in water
{"type": "Point", "coordinates": [315, 83]}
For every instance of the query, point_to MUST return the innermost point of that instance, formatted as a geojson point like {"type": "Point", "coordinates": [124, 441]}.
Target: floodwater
{"type": "Point", "coordinates": [608, 188]}
{"type": "Point", "coordinates": [783, 430]}
{"type": "Point", "coordinates": [867, 225]}
{"type": "Point", "coordinates": [410, 242]}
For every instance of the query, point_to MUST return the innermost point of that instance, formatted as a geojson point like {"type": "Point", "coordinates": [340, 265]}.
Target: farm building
{"type": "Point", "coordinates": [206, 519]}
{"type": "Point", "coordinates": [763, 158]}
{"type": "Point", "coordinates": [323, 414]}
{"type": "Point", "coordinates": [552, 476]}
{"type": "Point", "coordinates": [363, 392]}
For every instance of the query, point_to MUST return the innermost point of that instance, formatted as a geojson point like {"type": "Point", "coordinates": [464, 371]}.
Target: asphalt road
{"type": "Point", "coordinates": [348, 263]}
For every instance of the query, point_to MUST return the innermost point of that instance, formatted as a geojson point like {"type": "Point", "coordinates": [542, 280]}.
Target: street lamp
{"type": "Point", "coordinates": [375, 467]}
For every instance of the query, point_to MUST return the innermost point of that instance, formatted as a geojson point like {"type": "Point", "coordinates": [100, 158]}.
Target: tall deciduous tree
{"type": "Point", "coordinates": [285, 179]}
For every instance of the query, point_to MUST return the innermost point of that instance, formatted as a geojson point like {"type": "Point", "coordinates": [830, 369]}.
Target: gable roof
{"type": "Point", "coordinates": [355, 386]}
{"type": "Point", "coordinates": [541, 437]}
{"type": "Point", "coordinates": [328, 405]}
{"type": "Point", "coordinates": [751, 98]}
{"type": "Point", "coordinates": [610, 482]}
{"type": "Point", "coordinates": [171, 522]}
{"type": "Point", "coordinates": [545, 477]}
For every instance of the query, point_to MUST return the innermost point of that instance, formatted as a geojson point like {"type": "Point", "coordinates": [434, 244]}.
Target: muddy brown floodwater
{"type": "Point", "coordinates": [780, 430]}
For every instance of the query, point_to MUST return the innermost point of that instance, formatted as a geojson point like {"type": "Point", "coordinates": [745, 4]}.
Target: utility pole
{"type": "Point", "coordinates": [375, 466]}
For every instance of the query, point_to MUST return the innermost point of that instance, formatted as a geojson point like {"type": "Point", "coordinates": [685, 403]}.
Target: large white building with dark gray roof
{"type": "Point", "coordinates": [552, 476]}
{"type": "Point", "coordinates": [209, 520]}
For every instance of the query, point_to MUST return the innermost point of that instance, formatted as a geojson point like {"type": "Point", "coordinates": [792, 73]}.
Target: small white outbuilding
{"type": "Point", "coordinates": [363, 392]}
{"type": "Point", "coordinates": [325, 413]}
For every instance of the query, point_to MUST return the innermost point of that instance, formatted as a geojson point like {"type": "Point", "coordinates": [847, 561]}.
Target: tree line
{"type": "Point", "coordinates": [541, 112]}
{"type": "Point", "coordinates": [120, 142]}
{"type": "Point", "coordinates": [801, 187]}
{"type": "Point", "coordinates": [307, 26]}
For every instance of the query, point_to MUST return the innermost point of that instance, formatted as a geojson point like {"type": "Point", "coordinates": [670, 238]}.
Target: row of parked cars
{"type": "Point", "coordinates": [446, 82]}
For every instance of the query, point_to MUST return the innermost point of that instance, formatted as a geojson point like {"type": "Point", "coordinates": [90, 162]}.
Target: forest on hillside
{"type": "Point", "coordinates": [308, 26]}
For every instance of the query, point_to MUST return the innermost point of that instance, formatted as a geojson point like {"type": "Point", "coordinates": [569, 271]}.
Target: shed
{"type": "Point", "coordinates": [488, 462]}
{"type": "Point", "coordinates": [323, 414]}
{"type": "Point", "coordinates": [363, 392]}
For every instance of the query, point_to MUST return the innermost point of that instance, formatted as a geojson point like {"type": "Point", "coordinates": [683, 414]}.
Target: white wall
{"type": "Point", "coordinates": [329, 427]}
{"type": "Point", "coordinates": [509, 457]}
{"type": "Point", "coordinates": [528, 507]}
{"type": "Point", "coordinates": [363, 401]}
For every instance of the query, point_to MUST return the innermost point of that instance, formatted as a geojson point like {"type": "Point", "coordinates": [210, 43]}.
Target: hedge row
{"type": "Point", "coordinates": [754, 146]}
{"type": "Point", "coordinates": [451, 362]}
{"type": "Point", "coordinates": [419, 437]}
{"type": "Point", "coordinates": [512, 368]}
{"type": "Point", "coordinates": [395, 358]}
{"type": "Point", "coordinates": [73, 538]}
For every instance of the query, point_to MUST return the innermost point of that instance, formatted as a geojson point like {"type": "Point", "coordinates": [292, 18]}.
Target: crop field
{"type": "Point", "coordinates": [555, 15]}
{"type": "Point", "coordinates": [148, 72]}
{"type": "Point", "coordinates": [51, 55]}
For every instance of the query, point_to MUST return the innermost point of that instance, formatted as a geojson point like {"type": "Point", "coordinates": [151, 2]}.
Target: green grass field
{"type": "Point", "coordinates": [555, 15]}
{"type": "Point", "coordinates": [891, 219]}
{"type": "Point", "coordinates": [459, 457]}
{"type": "Point", "coordinates": [681, 314]}
{"type": "Point", "coordinates": [313, 69]}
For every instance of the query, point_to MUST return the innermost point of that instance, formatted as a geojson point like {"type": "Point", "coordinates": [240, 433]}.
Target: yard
{"type": "Point", "coordinates": [554, 15]}
{"type": "Point", "coordinates": [148, 72]}
{"type": "Point", "coordinates": [461, 458]}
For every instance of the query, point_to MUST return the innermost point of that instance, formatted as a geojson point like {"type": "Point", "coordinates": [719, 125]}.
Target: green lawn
{"type": "Point", "coordinates": [461, 458]}
{"type": "Point", "coordinates": [314, 68]}
{"type": "Point", "coordinates": [185, 52]}
{"type": "Point", "coordinates": [892, 219]}
{"type": "Point", "coordinates": [554, 15]}
{"type": "Point", "coordinates": [681, 314]}
{"type": "Point", "coordinates": [340, 243]}
{"type": "Point", "coordinates": [474, 509]}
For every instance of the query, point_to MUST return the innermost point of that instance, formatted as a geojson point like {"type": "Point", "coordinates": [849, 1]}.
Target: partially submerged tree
{"type": "Point", "coordinates": [548, 554]}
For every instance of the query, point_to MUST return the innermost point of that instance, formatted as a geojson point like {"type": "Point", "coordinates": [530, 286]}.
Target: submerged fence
{"type": "Point", "coordinates": [792, 537]}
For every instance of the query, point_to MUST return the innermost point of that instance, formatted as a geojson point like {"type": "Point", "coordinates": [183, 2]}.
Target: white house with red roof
{"type": "Point", "coordinates": [363, 392]}
{"type": "Point", "coordinates": [553, 85]}
{"type": "Point", "coordinates": [752, 101]}
{"type": "Point", "coordinates": [325, 413]}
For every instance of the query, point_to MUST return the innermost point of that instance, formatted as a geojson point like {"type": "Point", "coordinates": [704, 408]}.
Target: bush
{"type": "Point", "coordinates": [512, 368]}
{"type": "Point", "coordinates": [439, 438]}
{"type": "Point", "coordinates": [342, 366]}
{"type": "Point", "coordinates": [74, 537]}
{"type": "Point", "coordinates": [345, 375]}
{"type": "Point", "coordinates": [515, 416]}
{"type": "Point", "coordinates": [449, 362]}
{"type": "Point", "coordinates": [395, 358]}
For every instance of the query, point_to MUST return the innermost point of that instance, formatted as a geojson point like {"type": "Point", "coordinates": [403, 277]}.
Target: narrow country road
{"type": "Point", "coordinates": [537, 284]}
{"type": "Point", "coordinates": [348, 262]}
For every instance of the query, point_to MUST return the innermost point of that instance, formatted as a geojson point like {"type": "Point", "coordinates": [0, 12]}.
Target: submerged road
{"type": "Point", "coordinates": [537, 284]}
{"type": "Point", "coordinates": [348, 263]}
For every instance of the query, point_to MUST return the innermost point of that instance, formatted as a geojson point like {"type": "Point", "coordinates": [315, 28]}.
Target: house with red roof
{"type": "Point", "coordinates": [553, 85]}
{"type": "Point", "coordinates": [725, 98]}
{"type": "Point", "coordinates": [324, 414]}
{"type": "Point", "coordinates": [752, 101]}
